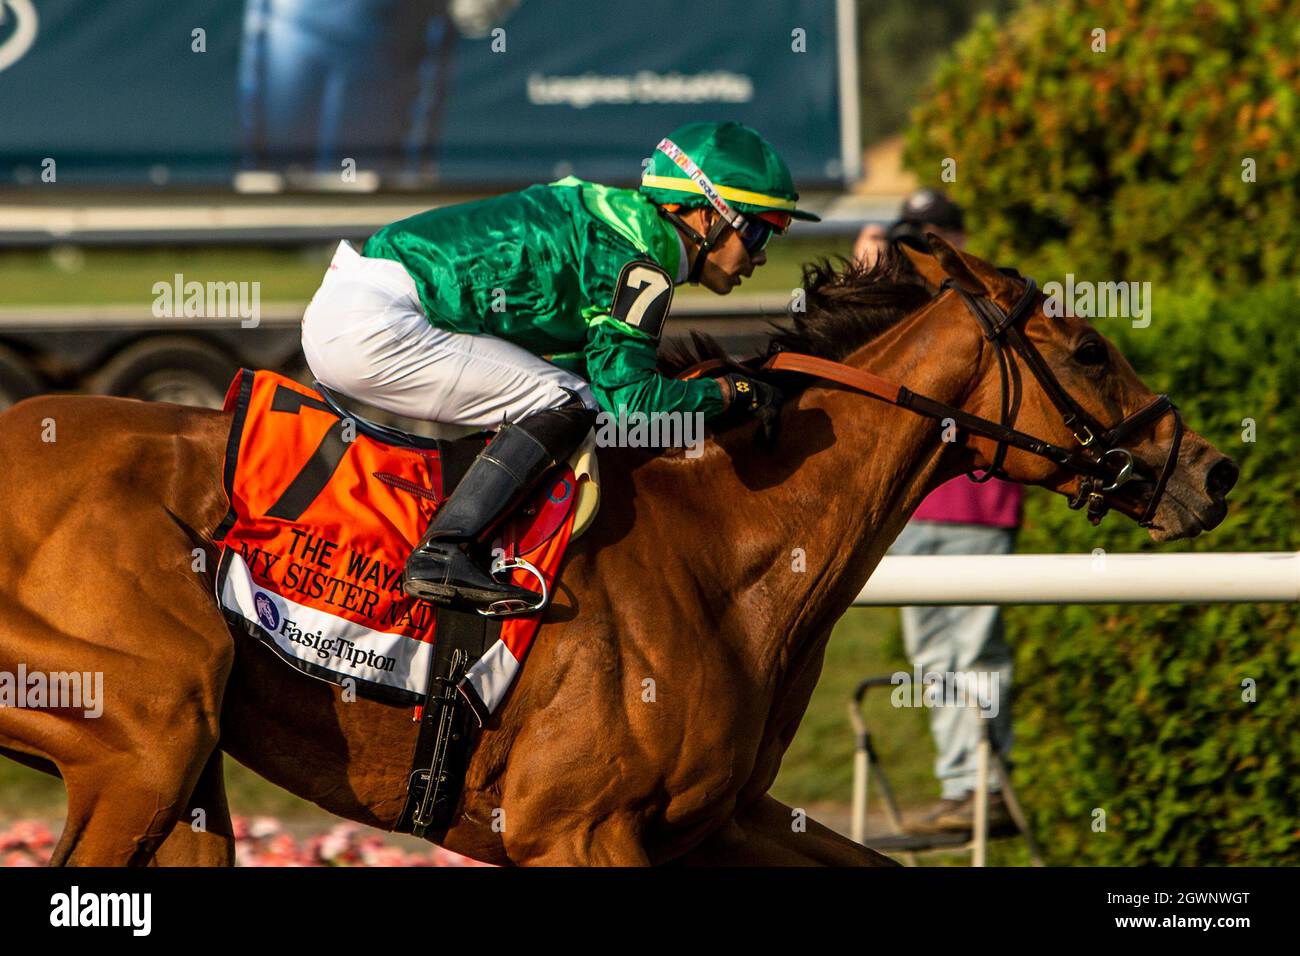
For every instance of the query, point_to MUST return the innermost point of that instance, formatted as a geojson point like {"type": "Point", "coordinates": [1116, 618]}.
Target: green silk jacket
{"type": "Point", "coordinates": [538, 268]}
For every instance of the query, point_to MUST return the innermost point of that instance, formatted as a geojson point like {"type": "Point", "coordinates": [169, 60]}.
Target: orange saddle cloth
{"type": "Point", "coordinates": [324, 509]}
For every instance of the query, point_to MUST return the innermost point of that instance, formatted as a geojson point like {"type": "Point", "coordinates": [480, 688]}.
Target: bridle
{"type": "Point", "coordinates": [705, 243]}
{"type": "Point", "coordinates": [1101, 459]}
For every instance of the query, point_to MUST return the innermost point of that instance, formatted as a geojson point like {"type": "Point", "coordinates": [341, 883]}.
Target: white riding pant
{"type": "Point", "coordinates": [365, 334]}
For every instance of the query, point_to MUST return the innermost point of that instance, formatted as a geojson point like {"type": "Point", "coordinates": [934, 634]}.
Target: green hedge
{"type": "Point", "coordinates": [1138, 710]}
{"type": "Point", "coordinates": [1127, 163]}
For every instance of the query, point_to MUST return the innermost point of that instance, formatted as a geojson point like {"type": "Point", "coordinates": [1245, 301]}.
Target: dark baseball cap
{"type": "Point", "coordinates": [933, 207]}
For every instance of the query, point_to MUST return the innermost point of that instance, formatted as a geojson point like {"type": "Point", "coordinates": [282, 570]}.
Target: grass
{"type": "Point", "coordinates": [818, 766]}
{"type": "Point", "coordinates": [73, 275]}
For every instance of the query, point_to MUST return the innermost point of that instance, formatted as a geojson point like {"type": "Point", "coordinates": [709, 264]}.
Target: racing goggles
{"type": "Point", "coordinates": [758, 229]}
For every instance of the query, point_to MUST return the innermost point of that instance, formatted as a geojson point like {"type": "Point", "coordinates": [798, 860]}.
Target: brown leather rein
{"type": "Point", "coordinates": [1102, 462]}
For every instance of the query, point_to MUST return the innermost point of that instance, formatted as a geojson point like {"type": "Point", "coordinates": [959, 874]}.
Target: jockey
{"type": "Point", "coordinates": [446, 316]}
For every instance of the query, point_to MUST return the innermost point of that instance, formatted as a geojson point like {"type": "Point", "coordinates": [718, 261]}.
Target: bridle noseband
{"type": "Point", "coordinates": [1097, 445]}
{"type": "Point", "coordinates": [1101, 460]}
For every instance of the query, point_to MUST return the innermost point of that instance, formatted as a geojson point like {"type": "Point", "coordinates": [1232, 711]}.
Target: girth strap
{"type": "Point", "coordinates": [446, 735]}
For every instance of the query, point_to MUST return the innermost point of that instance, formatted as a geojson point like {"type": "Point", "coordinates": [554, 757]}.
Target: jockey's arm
{"type": "Point", "coordinates": [621, 365]}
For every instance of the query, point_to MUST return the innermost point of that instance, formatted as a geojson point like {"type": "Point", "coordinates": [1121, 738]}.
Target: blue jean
{"type": "Point", "coordinates": [959, 639]}
{"type": "Point", "coordinates": [360, 79]}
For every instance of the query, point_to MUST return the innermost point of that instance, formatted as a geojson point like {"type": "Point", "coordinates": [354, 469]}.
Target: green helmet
{"type": "Point", "coordinates": [742, 168]}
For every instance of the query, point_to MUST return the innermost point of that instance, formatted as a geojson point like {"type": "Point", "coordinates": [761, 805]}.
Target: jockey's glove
{"type": "Point", "coordinates": [751, 398]}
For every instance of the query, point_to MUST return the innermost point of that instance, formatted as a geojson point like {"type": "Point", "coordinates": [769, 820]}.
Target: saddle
{"type": "Point", "coordinates": [324, 508]}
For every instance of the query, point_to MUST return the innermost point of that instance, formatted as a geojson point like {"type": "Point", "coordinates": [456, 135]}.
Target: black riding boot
{"type": "Point", "coordinates": [521, 454]}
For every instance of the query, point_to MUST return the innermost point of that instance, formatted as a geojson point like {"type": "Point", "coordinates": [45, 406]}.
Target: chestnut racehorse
{"type": "Point", "coordinates": [677, 659]}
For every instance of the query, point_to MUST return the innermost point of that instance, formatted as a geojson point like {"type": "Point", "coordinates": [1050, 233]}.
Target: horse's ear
{"type": "Point", "coordinates": [954, 265]}
{"type": "Point", "coordinates": [925, 264]}
{"type": "Point", "coordinates": [969, 271]}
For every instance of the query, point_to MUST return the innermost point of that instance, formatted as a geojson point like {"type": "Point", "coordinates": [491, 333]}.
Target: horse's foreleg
{"type": "Point", "coordinates": [130, 764]}
{"type": "Point", "coordinates": [122, 808]}
{"type": "Point", "coordinates": [133, 771]}
{"type": "Point", "coordinates": [203, 836]}
{"type": "Point", "coordinates": [769, 833]}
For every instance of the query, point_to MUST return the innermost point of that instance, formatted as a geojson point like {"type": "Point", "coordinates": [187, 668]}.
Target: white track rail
{"type": "Point", "coordinates": [1207, 578]}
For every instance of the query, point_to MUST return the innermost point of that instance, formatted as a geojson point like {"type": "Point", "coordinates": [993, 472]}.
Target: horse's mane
{"type": "Point", "coordinates": [843, 308]}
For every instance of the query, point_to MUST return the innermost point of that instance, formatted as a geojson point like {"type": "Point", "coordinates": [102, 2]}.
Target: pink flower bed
{"type": "Point", "coordinates": [26, 843]}
{"type": "Point", "coordinates": [259, 841]}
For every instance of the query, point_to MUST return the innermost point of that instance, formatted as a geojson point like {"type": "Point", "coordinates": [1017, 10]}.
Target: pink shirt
{"type": "Point", "coordinates": [995, 503]}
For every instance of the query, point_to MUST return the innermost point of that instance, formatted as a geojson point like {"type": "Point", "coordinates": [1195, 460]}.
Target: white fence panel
{"type": "Point", "coordinates": [1207, 578]}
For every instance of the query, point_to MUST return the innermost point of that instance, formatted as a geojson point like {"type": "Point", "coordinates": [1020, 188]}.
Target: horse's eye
{"type": "Point", "coordinates": [1090, 353]}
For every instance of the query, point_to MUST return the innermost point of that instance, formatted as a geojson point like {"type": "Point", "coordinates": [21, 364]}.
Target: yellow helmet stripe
{"type": "Point", "coordinates": [682, 184]}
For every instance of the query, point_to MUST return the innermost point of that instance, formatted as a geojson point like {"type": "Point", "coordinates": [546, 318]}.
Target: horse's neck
{"type": "Point", "coordinates": [810, 523]}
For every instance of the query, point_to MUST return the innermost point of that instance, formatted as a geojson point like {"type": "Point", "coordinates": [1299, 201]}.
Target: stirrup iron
{"type": "Point", "coordinates": [508, 607]}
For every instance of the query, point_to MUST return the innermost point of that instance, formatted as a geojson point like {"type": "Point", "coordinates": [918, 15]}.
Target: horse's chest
{"type": "Point", "coordinates": [710, 752]}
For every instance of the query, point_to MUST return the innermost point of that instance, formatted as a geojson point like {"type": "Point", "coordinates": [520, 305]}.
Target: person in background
{"type": "Point", "coordinates": [959, 517]}
{"type": "Point", "coordinates": [870, 242]}
{"type": "Point", "coordinates": [366, 80]}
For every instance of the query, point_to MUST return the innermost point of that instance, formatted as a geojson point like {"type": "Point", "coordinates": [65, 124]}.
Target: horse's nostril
{"type": "Point", "coordinates": [1221, 477]}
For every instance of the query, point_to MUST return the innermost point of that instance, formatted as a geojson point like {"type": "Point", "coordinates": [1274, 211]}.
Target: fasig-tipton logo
{"type": "Point", "coordinates": [17, 30]}
{"type": "Point", "coordinates": [267, 613]}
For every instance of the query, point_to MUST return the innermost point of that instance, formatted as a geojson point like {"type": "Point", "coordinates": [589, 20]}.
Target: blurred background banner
{"type": "Point", "coordinates": [416, 94]}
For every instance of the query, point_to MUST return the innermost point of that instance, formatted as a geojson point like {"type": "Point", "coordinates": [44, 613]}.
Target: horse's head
{"type": "Point", "coordinates": [1069, 387]}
